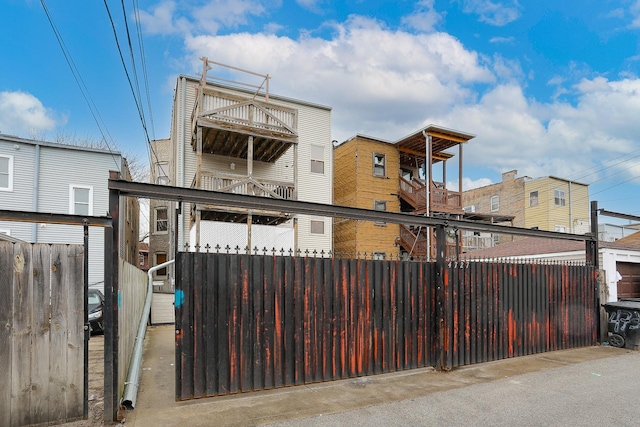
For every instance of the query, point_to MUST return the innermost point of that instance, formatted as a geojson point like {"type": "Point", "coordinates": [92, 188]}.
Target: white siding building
{"type": "Point", "coordinates": [38, 176]}
{"type": "Point", "coordinates": [230, 139]}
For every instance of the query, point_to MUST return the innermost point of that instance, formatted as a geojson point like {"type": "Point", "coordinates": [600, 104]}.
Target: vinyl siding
{"type": "Point", "coordinates": [314, 128]}
{"type": "Point", "coordinates": [21, 197]}
{"type": "Point", "coordinates": [547, 215]}
{"type": "Point", "coordinates": [60, 167]}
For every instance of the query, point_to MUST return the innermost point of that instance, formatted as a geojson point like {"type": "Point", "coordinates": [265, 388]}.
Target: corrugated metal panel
{"type": "Point", "coordinates": [254, 322]}
{"type": "Point", "coordinates": [273, 321]}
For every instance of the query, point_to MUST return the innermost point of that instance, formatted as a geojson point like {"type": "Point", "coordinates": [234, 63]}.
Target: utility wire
{"type": "Point", "coordinates": [79, 81]}
{"type": "Point", "coordinates": [137, 98]}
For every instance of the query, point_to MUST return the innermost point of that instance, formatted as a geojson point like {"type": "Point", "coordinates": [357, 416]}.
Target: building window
{"type": "Point", "coordinates": [317, 158]}
{"type": "Point", "coordinates": [560, 229]}
{"type": "Point", "coordinates": [160, 258]}
{"type": "Point", "coordinates": [533, 199]}
{"type": "Point", "coordinates": [558, 197]}
{"type": "Point", "coordinates": [317, 227]}
{"type": "Point", "coordinates": [80, 200]}
{"type": "Point", "coordinates": [379, 255]}
{"type": "Point", "coordinates": [162, 173]}
{"type": "Point", "coordinates": [495, 203]}
{"type": "Point", "coordinates": [6, 173]}
{"type": "Point", "coordinates": [161, 221]}
{"type": "Point", "coordinates": [469, 209]}
{"type": "Point", "coordinates": [380, 205]}
{"type": "Point", "coordinates": [379, 164]}
{"type": "Point", "coordinates": [496, 239]}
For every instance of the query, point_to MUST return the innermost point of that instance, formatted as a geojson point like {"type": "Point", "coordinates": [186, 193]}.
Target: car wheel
{"type": "Point", "coordinates": [616, 340]}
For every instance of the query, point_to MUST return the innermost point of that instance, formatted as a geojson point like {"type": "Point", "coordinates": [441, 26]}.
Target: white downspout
{"type": "Point", "coordinates": [427, 173]}
{"type": "Point", "coordinates": [133, 377]}
{"type": "Point", "coordinates": [36, 190]}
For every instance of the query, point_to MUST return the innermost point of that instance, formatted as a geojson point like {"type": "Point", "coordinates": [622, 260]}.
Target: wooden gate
{"type": "Point", "coordinates": [255, 322]}
{"type": "Point", "coordinates": [42, 334]}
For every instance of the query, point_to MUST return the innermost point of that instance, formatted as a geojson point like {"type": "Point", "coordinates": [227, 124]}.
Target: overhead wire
{"type": "Point", "coordinates": [135, 93]}
{"type": "Point", "coordinates": [80, 82]}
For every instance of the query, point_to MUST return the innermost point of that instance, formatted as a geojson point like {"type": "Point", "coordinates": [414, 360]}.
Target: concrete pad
{"type": "Point", "coordinates": [156, 405]}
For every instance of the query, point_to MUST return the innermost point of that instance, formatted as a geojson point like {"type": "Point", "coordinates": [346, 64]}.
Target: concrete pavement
{"type": "Point", "coordinates": [586, 386]}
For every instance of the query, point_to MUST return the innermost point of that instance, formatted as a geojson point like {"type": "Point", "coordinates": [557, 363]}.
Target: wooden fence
{"type": "Point", "coordinates": [41, 333]}
{"type": "Point", "coordinates": [133, 291]}
{"type": "Point", "coordinates": [254, 322]}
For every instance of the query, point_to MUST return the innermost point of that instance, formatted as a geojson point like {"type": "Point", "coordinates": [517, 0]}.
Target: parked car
{"type": "Point", "coordinates": [96, 310]}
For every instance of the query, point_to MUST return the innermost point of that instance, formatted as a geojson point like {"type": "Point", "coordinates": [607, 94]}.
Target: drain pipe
{"type": "Point", "coordinates": [133, 378]}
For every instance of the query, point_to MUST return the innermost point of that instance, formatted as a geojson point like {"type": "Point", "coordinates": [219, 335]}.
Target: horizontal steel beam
{"type": "Point", "coordinates": [604, 212]}
{"type": "Point", "coordinates": [54, 218]}
{"type": "Point", "coordinates": [191, 195]}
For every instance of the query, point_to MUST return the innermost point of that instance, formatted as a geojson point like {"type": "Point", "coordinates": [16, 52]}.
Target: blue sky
{"type": "Point", "coordinates": [548, 87]}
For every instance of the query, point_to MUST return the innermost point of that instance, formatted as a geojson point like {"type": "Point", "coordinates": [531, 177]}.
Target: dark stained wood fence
{"type": "Point", "coordinates": [41, 334]}
{"type": "Point", "coordinates": [497, 310]}
{"type": "Point", "coordinates": [255, 322]}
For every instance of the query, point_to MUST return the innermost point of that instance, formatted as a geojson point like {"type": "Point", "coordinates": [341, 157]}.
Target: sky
{"type": "Point", "coordinates": [547, 87]}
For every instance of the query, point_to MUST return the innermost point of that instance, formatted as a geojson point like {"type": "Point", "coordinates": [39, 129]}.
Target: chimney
{"type": "Point", "coordinates": [509, 176]}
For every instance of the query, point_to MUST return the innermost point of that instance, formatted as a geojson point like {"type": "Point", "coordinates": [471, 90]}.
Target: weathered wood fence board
{"type": "Point", "coordinates": [42, 337]}
{"type": "Point", "coordinates": [134, 285]}
{"type": "Point", "coordinates": [253, 322]}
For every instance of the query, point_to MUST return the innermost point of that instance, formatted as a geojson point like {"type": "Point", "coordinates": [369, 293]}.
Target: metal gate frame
{"type": "Point", "coordinates": [118, 187]}
{"type": "Point", "coordinates": [85, 222]}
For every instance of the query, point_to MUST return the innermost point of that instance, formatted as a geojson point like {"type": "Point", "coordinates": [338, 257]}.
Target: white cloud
{"type": "Point", "coordinates": [493, 13]}
{"type": "Point", "coordinates": [424, 18]}
{"type": "Point", "coordinates": [314, 6]}
{"type": "Point", "coordinates": [23, 114]}
{"type": "Point", "coordinates": [502, 40]}
{"type": "Point", "coordinates": [378, 80]}
{"type": "Point", "coordinates": [557, 138]}
{"type": "Point", "coordinates": [204, 17]}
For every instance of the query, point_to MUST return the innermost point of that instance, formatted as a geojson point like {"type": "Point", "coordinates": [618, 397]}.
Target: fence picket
{"type": "Point", "coordinates": [283, 320]}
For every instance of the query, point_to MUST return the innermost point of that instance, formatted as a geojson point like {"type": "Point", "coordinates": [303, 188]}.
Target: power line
{"type": "Point", "coordinates": [137, 98]}
{"type": "Point", "coordinates": [79, 81]}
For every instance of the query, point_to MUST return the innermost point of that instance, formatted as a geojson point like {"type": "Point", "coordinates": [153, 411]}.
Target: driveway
{"type": "Point", "coordinates": [585, 386]}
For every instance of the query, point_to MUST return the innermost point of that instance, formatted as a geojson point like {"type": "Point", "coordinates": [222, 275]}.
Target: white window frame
{"type": "Point", "coordinates": [72, 202]}
{"type": "Point", "coordinates": [316, 222]}
{"type": "Point", "coordinates": [162, 173]}
{"type": "Point", "coordinates": [10, 173]}
{"type": "Point", "coordinates": [495, 200]}
{"type": "Point", "coordinates": [381, 256]}
{"type": "Point", "coordinates": [316, 159]}
{"type": "Point", "coordinates": [382, 203]}
{"type": "Point", "coordinates": [382, 164]}
{"type": "Point", "coordinates": [155, 220]}
{"type": "Point", "coordinates": [560, 229]}
{"type": "Point", "coordinates": [559, 197]}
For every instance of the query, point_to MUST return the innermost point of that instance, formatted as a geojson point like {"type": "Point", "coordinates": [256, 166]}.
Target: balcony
{"type": "Point", "coordinates": [226, 121]}
{"type": "Point", "coordinates": [441, 199]}
{"type": "Point", "coordinates": [240, 184]}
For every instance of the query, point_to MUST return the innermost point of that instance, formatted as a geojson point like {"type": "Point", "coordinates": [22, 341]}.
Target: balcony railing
{"type": "Point", "coordinates": [442, 199]}
{"type": "Point", "coordinates": [239, 184]}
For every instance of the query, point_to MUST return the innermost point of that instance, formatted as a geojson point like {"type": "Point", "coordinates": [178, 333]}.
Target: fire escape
{"type": "Point", "coordinates": [242, 130]}
{"type": "Point", "coordinates": [422, 155]}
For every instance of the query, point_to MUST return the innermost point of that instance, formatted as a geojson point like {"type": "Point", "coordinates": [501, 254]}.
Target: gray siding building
{"type": "Point", "coordinates": [39, 176]}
